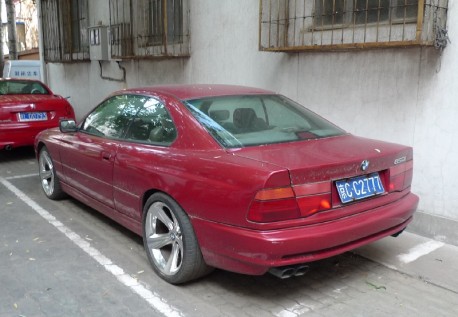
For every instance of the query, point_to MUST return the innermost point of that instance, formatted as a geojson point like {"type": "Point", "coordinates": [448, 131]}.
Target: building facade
{"type": "Point", "coordinates": [26, 26]}
{"type": "Point", "coordinates": [384, 69]}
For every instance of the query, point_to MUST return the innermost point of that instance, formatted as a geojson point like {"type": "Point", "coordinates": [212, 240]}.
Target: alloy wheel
{"type": "Point", "coordinates": [164, 238]}
{"type": "Point", "coordinates": [46, 172]}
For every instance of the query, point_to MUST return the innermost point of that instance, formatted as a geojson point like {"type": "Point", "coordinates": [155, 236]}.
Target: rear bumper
{"type": "Point", "coordinates": [17, 135]}
{"type": "Point", "coordinates": [254, 252]}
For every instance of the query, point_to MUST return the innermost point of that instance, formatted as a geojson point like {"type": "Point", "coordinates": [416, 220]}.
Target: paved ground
{"type": "Point", "coordinates": [64, 259]}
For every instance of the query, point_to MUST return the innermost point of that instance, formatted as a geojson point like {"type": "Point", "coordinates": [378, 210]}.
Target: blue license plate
{"type": "Point", "coordinates": [33, 116]}
{"type": "Point", "coordinates": [359, 187]}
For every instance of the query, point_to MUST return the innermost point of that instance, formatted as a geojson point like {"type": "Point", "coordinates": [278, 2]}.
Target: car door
{"type": "Point", "coordinates": [139, 163]}
{"type": "Point", "coordinates": [90, 153]}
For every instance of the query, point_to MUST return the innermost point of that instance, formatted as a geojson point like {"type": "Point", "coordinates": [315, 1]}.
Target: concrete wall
{"type": "Point", "coordinates": [405, 95]}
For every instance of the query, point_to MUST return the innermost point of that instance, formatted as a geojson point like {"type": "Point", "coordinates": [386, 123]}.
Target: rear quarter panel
{"type": "Point", "coordinates": [211, 185]}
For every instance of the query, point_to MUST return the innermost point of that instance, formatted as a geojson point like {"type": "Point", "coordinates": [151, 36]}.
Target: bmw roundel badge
{"type": "Point", "coordinates": [364, 165]}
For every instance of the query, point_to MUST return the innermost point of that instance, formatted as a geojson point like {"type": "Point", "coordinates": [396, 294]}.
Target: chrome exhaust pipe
{"type": "Point", "coordinates": [301, 270]}
{"type": "Point", "coordinates": [8, 147]}
{"type": "Point", "coordinates": [284, 272]}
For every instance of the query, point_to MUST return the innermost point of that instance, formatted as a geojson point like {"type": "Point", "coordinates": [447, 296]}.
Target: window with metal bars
{"type": "Point", "coordinates": [65, 36]}
{"type": "Point", "coordinates": [299, 25]}
{"type": "Point", "coordinates": [159, 30]}
{"type": "Point", "coordinates": [345, 12]}
{"type": "Point", "coordinates": [149, 28]}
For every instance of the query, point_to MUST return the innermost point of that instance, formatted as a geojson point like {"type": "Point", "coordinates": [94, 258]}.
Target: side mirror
{"type": "Point", "coordinates": [67, 125]}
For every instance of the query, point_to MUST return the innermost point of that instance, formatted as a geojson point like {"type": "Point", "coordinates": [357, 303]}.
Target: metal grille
{"type": "Point", "coordinates": [149, 28]}
{"type": "Point", "coordinates": [65, 30]}
{"type": "Point", "coordinates": [297, 25]}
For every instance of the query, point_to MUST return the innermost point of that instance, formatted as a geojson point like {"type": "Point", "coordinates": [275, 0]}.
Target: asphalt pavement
{"type": "Point", "coordinates": [61, 258]}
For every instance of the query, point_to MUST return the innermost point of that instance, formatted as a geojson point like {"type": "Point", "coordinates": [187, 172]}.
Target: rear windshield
{"type": "Point", "coordinates": [19, 87]}
{"type": "Point", "coordinates": [239, 121]}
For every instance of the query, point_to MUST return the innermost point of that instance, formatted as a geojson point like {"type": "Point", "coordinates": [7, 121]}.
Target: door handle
{"type": "Point", "coordinates": [106, 156]}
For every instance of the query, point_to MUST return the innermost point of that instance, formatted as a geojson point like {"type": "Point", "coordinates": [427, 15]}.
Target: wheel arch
{"type": "Point", "coordinates": [153, 191]}
{"type": "Point", "coordinates": [38, 148]}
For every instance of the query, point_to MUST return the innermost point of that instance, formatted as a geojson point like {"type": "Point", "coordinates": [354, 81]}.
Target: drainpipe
{"type": "Point", "coordinates": [41, 46]}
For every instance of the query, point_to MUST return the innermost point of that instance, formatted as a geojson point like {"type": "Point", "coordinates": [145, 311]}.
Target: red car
{"type": "Point", "coordinates": [231, 177]}
{"type": "Point", "coordinates": [26, 108]}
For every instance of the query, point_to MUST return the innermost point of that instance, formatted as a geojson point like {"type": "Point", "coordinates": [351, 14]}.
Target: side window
{"type": "Point", "coordinates": [152, 124]}
{"type": "Point", "coordinates": [111, 118]}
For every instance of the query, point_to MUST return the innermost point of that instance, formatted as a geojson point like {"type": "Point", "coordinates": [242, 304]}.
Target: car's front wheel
{"type": "Point", "coordinates": [49, 181]}
{"type": "Point", "coordinates": [170, 242]}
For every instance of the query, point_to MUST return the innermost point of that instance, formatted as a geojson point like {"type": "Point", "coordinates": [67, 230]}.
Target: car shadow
{"type": "Point", "coordinates": [89, 212]}
{"type": "Point", "coordinates": [326, 280]}
{"type": "Point", "coordinates": [17, 154]}
{"type": "Point", "coordinates": [331, 280]}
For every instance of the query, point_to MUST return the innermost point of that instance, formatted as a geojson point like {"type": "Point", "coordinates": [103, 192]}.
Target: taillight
{"type": "Point", "coordinates": [284, 203]}
{"type": "Point", "coordinates": [401, 176]}
{"type": "Point", "coordinates": [313, 198]}
{"type": "Point", "coordinates": [274, 193]}
{"type": "Point", "coordinates": [69, 111]}
{"type": "Point", "coordinates": [312, 204]}
{"type": "Point", "coordinates": [274, 204]}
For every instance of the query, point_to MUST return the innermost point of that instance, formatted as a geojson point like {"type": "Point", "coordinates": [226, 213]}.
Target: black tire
{"type": "Point", "coordinates": [48, 178]}
{"type": "Point", "coordinates": [170, 242]}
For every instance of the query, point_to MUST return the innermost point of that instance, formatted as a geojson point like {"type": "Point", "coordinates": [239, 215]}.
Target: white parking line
{"type": "Point", "coordinates": [22, 176]}
{"type": "Point", "coordinates": [420, 250]}
{"type": "Point", "coordinates": [154, 300]}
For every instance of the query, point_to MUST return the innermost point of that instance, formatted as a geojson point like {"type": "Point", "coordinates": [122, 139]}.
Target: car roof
{"type": "Point", "coordinates": [187, 92]}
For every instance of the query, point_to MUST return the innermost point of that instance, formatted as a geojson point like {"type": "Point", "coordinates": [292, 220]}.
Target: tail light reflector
{"type": "Point", "coordinates": [286, 203]}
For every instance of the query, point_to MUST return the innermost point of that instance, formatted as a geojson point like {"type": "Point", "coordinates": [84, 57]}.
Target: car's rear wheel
{"type": "Point", "coordinates": [170, 242]}
{"type": "Point", "coordinates": [49, 181]}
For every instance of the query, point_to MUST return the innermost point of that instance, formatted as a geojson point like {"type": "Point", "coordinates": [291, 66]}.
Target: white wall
{"type": "Point", "coordinates": [405, 95]}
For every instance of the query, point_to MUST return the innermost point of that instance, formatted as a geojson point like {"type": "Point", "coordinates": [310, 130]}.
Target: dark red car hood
{"type": "Point", "coordinates": [329, 158]}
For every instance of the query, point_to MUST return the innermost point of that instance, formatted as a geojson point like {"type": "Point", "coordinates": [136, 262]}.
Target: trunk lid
{"type": "Point", "coordinates": [332, 158]}
{"type": "Point", "coordinates": [53, 106]}
{"type": "Point", "coordinates": [330, 178]}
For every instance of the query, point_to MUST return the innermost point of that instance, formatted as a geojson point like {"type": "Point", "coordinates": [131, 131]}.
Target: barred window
{"type": "Point", "coordinates": [295, 25]}
{"type": "Point", "coordinates": [65, 36]}
{"type": "Point", "coordinates": [160, 30]}
{"type": "Point", "coordinates": [149, 28]}
{"type": "Point", "coordinates": [344, 12]}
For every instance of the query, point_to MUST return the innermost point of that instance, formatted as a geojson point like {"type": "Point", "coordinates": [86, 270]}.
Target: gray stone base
{"type": "Point", "coordinates": [436, 227]}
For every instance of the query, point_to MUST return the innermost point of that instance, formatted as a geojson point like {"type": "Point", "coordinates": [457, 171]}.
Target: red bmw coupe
{"type": "Point", "coordinates": [26, 108]}
{"type": "Point", "coordinates": [229, 177]}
